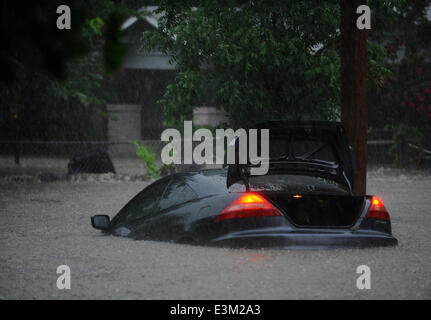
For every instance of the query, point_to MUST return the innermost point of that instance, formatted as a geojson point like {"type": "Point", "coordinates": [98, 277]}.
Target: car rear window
{"type": "Point", "coordinates": [310, 149]}
{"type": "Point", "coordinates": [289, 183]}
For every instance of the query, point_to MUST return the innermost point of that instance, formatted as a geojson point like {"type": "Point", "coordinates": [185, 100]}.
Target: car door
{"type": "Point", "coordinates": [174, 205]}
{"type": "Point", "coordinates": [131, 220]}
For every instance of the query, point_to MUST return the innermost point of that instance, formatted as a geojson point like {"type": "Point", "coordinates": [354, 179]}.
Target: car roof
{"type": "Point", "coordinates": [204, 182]}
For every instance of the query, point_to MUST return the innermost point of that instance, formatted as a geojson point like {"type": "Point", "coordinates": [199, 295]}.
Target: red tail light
{"type": "Point", "coordinates": [248, 205]}
{"type": "Point", "coordinates": [377, 209]}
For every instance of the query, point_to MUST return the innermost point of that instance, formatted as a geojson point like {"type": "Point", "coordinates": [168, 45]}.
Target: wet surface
{"type": "Point", "coordinates": [44, 225]}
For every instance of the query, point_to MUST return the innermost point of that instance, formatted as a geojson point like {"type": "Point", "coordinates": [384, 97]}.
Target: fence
{"type": "Point", "coordinates": [55, 155]}
{"type": "Point", "coordinates": [29, 148]}
{"type": "Point", "coordinates": [35, 157]}
{"type": "Point", "coordinates": [380, 142]}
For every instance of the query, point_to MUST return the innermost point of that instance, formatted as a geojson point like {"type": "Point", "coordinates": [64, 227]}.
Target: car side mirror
{"type": "Point", "coordinates": [100, 222]}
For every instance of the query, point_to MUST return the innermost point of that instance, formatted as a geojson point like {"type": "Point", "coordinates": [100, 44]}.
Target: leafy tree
{"type": "Point", "coordinates": [259, 60]}
{"type": "Point", "coordinates": [148, 159]}
{"type": "Point", "coordinates": [402, 101]}
{"type": "Point", "coordinates": [51, 79]}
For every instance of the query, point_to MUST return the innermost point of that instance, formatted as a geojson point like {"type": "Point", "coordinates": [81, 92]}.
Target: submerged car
{"type": "Point", "coordinates": [304, 201]}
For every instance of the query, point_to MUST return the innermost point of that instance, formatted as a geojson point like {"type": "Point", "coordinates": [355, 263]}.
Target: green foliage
{"type": "Point", "coordinates": [148, 158]}
{"type": "Point", "coordinates": [53, 78]}
{"type": "Point", "coordinates": [402, 136]}
{"type": "Point", "coordinates": [38, 107]}
{"type": "Point", "coordinates": [114, 49]}
{"type": "Point", "coordinates": [259, 60]}
{"type": "Point", "coordinates": [167, 169]}
{"type": "Point", "coordinates": [96, 25]}
{"type": "Point", "coordinates": [31, 40]}
{"type": "Point", "coordinates": [402, 99]}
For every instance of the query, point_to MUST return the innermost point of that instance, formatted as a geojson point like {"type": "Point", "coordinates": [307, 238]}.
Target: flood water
{"type": "Point", "coordinates": [44, 225]}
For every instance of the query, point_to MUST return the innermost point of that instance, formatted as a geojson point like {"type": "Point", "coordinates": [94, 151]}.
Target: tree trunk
{"type": "Point", "coordinates": [354, 109]}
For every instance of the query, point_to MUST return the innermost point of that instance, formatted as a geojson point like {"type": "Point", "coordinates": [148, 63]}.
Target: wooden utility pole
{"type": "Point", "coordinates": [354, 108]}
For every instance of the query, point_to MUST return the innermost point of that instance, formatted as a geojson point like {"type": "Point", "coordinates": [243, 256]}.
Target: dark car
{"type": "Point", "coordinates": [304, 201]}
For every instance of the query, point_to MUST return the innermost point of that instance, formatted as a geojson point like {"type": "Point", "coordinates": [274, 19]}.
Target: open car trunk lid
{"type": "Point", "coordinates": [318, 211]}
{"type": "Point", "coordinates": [314, 148]}
{"type": "Point", "coordinates": [305, 159]}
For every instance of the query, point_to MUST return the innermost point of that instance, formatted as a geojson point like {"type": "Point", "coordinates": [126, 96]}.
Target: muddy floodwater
{"type": "Point", "coordinates": [44, 225]}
